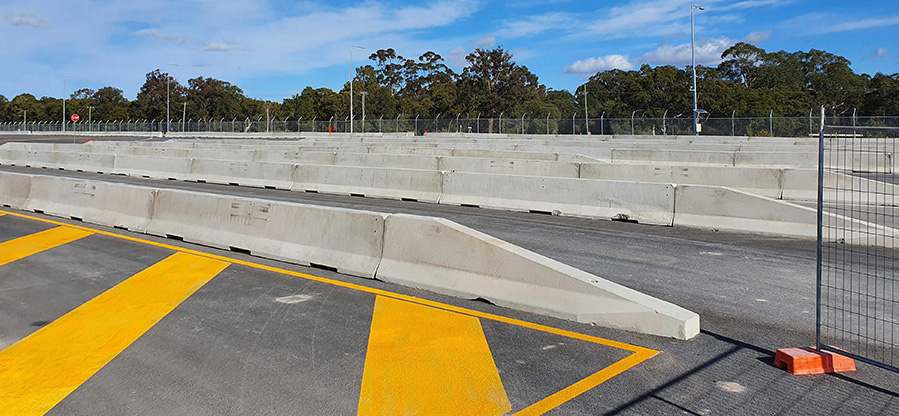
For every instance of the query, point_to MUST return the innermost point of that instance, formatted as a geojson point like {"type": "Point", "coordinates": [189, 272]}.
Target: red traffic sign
{"type": "Point", "coordinates": [75, 117]}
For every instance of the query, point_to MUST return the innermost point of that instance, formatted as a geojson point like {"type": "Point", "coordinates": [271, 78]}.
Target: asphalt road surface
{"type": "Point", "coordinates": [282, 339]}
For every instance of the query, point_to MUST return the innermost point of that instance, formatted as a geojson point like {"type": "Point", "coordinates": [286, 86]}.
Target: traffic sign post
{"type": "Point", "coordinates": [74, 119]}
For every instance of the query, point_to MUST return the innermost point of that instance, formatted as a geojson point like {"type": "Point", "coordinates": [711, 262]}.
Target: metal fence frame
{"type": "Point", "coordinates": [844, 311]}
{"type": "Point", "coordinates": [666, 126]}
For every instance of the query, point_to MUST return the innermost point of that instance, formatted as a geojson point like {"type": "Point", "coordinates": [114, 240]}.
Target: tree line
{"type": "Point", "coordinates": [749, 81]}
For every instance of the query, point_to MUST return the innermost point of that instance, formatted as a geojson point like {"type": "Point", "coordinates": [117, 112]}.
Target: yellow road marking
{"type": "Point", "coordinates": [639, 355]}
{"type": "Point", "coordinates": [574, 390]}
{"type": "Point", "coordinates": [428, 361]}
{"type": "Point", "coordinates": [22, 247]}
{"type": "Point", "coordinates": [39, 371]}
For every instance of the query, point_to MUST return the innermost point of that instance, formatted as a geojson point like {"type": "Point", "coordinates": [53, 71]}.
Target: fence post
{"type": "Point", "coordinates": [733, 123]}
{"type": "Point", "coordinates": [771, 124]}
{"type": "Point", "coordinates": [820, 232]}
{"type": "Point", "coordinates": [664, 124]}
{"type": "Point", "coordinates": [602, 124]}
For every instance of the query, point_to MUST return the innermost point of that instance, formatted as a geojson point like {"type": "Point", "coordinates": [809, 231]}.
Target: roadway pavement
{"type": "Point", "coordinates": [233, 348]}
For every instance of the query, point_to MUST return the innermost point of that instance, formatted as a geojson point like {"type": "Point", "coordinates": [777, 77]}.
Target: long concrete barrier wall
{"type": "Point", "coordinates": [651, 203]}
{"type": "Point", "coordinates": [422, 252]}
{"type": "Point", "coordinates": [651, 200]}
{"type": "Point", "coordinates": [770, 182]}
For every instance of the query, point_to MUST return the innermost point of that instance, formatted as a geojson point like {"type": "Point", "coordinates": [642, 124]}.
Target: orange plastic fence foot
{"type": "Point", "coordinates": [811, 361]}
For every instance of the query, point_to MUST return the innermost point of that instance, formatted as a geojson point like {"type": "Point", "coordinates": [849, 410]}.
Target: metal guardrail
{"type": "Point", "coordinates": [857, 281]}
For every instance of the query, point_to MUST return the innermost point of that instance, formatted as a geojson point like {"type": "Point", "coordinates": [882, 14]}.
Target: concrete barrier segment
{"type": "Point", "coordinates": [650, 203]}
{"type": "Point", "coordinates": [439, 255]}
{"type": "Point", "coordinates": [348, 241]}
{"type": "Point", "coordinates": [97, 202]}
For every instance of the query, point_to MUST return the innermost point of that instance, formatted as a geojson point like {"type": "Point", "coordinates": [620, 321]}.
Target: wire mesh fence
{"type": "Point", "coordinates": [858, 307]}
{"type": "Point", "coordinates": [732, 126]}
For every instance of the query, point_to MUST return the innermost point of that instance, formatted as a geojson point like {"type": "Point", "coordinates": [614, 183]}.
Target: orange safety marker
{"type": "Point", "coordinates": [801, 361]}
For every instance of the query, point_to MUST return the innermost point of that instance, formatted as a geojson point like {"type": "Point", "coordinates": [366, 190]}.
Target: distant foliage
{"type": "Point", "coordinates": [749, 82]}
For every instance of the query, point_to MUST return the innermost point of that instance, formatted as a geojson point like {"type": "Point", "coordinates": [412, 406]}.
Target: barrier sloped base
{"type": "Point", "coordinates": [445, 257]}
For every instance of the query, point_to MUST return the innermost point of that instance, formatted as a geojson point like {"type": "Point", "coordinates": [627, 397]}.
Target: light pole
{"type": "Point", "coordinates": [63, 104]}
{"type": "Point", "coordinates": [693, 7]}
{"type": "Point", "coordinates": [168, 94]}
{"type": "Point", "coordinates": [363, 94]}
{"type": "Point", "coordinates": [351, 84]}
{"type": "Point", "coordinates": [183, 116]}
{"type": "Point", "coordinates": [586, 117]}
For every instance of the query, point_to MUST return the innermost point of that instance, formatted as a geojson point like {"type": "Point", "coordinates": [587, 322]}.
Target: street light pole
{"type": "Point", "coordinates": [63, 104]}
{"type": "Point", "coordinates": [586, 115]}
{"type": "Point", "coordinates": [693, 59]}
{"type": "Point", "coordinates": [363, 94]}
{"type": "Point", "coordinates": [351, 85]}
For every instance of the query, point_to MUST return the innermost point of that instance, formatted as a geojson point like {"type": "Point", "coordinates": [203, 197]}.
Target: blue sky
{"type": "Point", "coordinates": [272, 49]}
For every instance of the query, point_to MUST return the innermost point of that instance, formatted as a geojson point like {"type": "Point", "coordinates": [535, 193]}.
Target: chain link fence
{"type": "Point", "coordinates": [733, 126]}
{"type": "Point", "coordinates": [858, 283]}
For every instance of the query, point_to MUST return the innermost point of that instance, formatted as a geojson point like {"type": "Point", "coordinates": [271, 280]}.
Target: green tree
{"type": "Point", "coordinates": [151, 100]}
{"type": "Point", "coordinates": [493, 83]}
{"type": "Point", "coordinates": [209, 98]}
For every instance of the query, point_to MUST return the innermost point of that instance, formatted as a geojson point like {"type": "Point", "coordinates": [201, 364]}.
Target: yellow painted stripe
{"type": "Point", "coordinates": [640, 353]}
{"type": "Point", "coordinates": [584, 385]}
{"type": "Point", "coordinates": [22, 247]}
{"type": "Point", "coordinates": [39, 371]}
{"type": "Point", "coordinates": [427, 361]}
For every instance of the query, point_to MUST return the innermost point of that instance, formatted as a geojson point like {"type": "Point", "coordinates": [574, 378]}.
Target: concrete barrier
{"type": "Point", "coordinates": [110, 204]}
{"type": "Point", "coordinates": [86, 162]}
{"type": "Point", "coordinates": [14, 189]}
{"type": "Point", "coordinates": [651, 203]}
{"type": "Point", "coordinates": [724, 208]}
{"type": "Point", "coordinates": [678, 156]}
{"type": "Point", "coordinates": [349, 241]}
{"type": "Point", "coordinates": [729, 209]}
{"type": "Point", "coordinates": [295, 156]}
{"type": "Point", "coordinates": [152, 167]}
{"type": "Point", "coordinates": [35, 159]}
{"type": "Point", "coordinates": [256, 174]}
{"type": "Point", "coordinates": [760, 181]}
{"type": "Point", "coordinates": [438, 255]}
{"type": "Point", "coordinates": [420, 185]}
{"type": "Point", "coordinates": [510, 167]}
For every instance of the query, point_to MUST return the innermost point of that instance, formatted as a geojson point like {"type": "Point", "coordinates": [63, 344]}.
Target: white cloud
{"type": "Point", "coordinates": [708, 52]}
{"type": "Point", "coordinates": [756, 38]}
{"type": "Point", "coordinates": [860, 25]}
{"type": "Point", "coordinates": [591, 66]}
{"type": "Point", "coordinates": [533, 25]}
{"type": "Point", "coordinates": [456, 57]}
{"type": "Point", "coordinates": [27, 19]}
{"type": "Point", "coordinates": [485, 42]}
{"type": "Point", "coordinates": [222, 47]}
{"type": "Point", "coordinates": [646, 18]}
{"type": "Point", "coordinates": [881, 52]}
{"type": "Point", "coordinates": [155, 34]}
